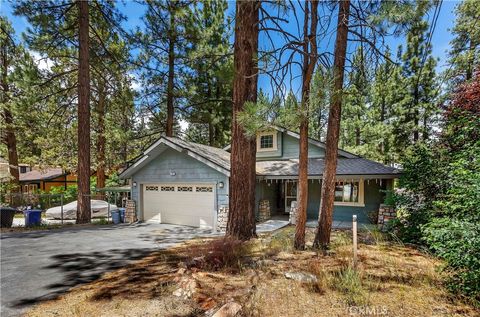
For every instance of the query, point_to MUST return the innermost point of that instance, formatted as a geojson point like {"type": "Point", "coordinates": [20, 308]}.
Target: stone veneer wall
{"type": "Point", "coordinates": [263, 210]}
{"type": "Point", "coordinates": [222, 218]}
{"type": "Point", "coordinates": [130, 213]}
{"type": "Point", "coordinates": [293, 213]}
{"type": "Point", "coordinates": [385, 214]}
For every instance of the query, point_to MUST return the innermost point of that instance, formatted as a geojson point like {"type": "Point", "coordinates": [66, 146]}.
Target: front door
{"type": "Point", "coordinates": [290, 194]}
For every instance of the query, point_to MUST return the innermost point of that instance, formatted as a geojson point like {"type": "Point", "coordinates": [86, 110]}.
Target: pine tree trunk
{"type": "Point", "coordinates": [382, 120]}
{"type": "Point", "coordinates": [425, 128]}
{"type": "Point", "coordinates": [126, 127]}
{"type": "Point", "coordinates": [211, 133]}
{"type": "Point", "coordinates": [101, 138]}
{"type": "Point", "coordinates": [325, 219]}
{"type": "Point", "coordinates": [171, 74]}
{"type": "Point", "coordinates": [83, 171]}
{"type": "Point", "coordinates": [10, 137]}
{"type": "Point", "coordinates": [416, 114]}
{"type": "Point", "coordinates": [357, 134]}
{"type": "Point", "coordinates": [241, 219]}
{"type": "Point", "coordinates": [11, 141]}
{"type": "Point", "coordinates": [471, 62]}
{"type": "Point", "coordinates": [310, 59]}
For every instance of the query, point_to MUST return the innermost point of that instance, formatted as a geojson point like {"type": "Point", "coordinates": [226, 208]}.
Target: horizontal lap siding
{"type": "Point", "coordinates": [373, 198]}
{"type": "Point", "coordinates": [187, 170]}
{"type": "Point", "coordinates": [291, 148]}
{"type": "Point", "coordinates": [272, 154]}
{"type": "Point", "coordinates": [287, 148]}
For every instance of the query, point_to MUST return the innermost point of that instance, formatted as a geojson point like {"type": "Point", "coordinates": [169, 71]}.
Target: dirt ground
{"type": "Point", "coordinates": [197, 278]}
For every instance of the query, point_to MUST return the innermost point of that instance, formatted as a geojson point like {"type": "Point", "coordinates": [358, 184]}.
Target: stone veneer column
{"type": "Point", "coordinates": [385, 214]}
{"type": "Point", "coordinates": [293, 213]}
{"type": "Point", "coordinates": [263, 210]}
{"type": "Point", "coordinates": [222, 218]}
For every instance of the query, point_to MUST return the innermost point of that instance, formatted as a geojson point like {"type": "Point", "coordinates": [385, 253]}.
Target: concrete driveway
{"type": "Point", "coordinates": [41, 265]}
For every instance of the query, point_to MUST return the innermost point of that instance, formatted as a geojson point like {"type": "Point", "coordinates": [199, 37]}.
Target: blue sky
{"type": "Point", "coordinates": [134, 12]}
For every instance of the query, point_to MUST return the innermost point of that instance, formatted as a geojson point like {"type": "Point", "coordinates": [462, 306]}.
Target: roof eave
{"type": "Point", "coordinates": [338, 176]}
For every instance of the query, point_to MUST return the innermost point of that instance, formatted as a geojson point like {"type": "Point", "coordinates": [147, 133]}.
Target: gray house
{"type": "Point", "coordinates": [180, 182]}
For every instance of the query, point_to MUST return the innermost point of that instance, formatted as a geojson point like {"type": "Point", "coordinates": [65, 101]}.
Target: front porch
{"type": "Point", "coordinates": [359, 196]}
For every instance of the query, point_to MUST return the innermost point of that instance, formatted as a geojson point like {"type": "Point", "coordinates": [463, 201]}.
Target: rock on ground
{"type": "Point", "coordinates": [301, 277]}
{"type": "Point", "coordinates": [228, 310]}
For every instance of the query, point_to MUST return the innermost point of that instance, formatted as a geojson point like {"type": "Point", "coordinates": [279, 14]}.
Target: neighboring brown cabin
{"type": "Point", "coordinates": [44, 179]}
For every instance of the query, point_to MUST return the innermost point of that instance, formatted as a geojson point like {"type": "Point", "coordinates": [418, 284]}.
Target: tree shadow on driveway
{"type": "Point", "coordinates": [80, 268]}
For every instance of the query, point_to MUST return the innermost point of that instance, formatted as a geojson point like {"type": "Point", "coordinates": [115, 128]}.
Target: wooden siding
{"type": "Point", "coordinates": [46, 185]}
{"type": "Point", "coordinates": [267, 155]}
{"type": "Point", "coordinates": [287, 148]}
{"type": "Point", "coordinates": [187, 170]}
{"type": "Point", "coordinates": [291, 148]}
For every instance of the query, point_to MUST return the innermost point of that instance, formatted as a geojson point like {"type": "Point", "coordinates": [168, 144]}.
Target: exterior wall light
{"type": "Point", "coordinates": [221, 184]}
{"type": "Point", "coordinates": [172, 173]}
{"type": "Point", "coordinates": [134, 184]}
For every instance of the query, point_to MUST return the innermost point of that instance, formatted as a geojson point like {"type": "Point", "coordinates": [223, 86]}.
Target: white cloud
{"type": "Point", "coordinates": [43, 63]}
{"type": "Point", "coordinates": [183, 125]}
{"type": "Point", "coordinates": [134, 85]}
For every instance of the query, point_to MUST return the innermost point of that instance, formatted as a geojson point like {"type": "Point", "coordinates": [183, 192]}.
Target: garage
{"type": "Point", "coordinates": [182, 204]}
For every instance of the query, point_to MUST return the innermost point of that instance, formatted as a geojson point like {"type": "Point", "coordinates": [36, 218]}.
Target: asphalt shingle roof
{"type": "Point", "coordinates": [345, 166]}
{"type": "Point", "coordinates": [213, 154]}
{"type": "Point", "coordinates": [41, 174]}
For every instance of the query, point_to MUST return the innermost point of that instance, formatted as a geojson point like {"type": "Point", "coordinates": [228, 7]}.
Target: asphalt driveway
{"type": "Point", "coordinates": [41, 265]}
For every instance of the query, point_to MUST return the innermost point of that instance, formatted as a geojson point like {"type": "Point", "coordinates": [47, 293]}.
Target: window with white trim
{"type": "Point", "coordinates": [184, 188]}
{"type": "Point", "coordinates": [267, 141]}
{"type": "Point", "coordinates": [349, 193]}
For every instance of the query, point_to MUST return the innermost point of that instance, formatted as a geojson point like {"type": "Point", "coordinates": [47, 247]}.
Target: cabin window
{"type": "Point", "coordinates": [349, 193]}
{"type": "Point", "coordinates": [267, 141]}
{"type": "Point", "coordinates": [30, 189]}
{"type": "Point", "coordinates": [23, 169]}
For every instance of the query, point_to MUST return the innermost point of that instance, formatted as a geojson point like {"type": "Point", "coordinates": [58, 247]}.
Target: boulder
{"type": "Point", "coordinates": [301, 277]}
{"type": "Point", "coordinates": [228, 310]}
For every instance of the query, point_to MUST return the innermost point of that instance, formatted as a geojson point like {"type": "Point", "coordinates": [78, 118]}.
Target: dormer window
{"type": "Point", "coordinates": [267, 141]}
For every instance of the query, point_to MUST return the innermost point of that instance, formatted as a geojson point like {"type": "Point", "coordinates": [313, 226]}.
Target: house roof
{"type": "Point", "coordinates": [213, 154]}
{"type": "Point", "coordinates": [345, 167]}
{"type": "Point", "coordinates": [219, 159]}
{"type": "Point", "coordinates": [45, 174]}
{"type": "Point", "coordinates": [214, 157]}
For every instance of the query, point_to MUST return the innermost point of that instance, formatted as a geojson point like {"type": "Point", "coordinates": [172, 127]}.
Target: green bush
{"type": "Point", "coordinates": [439, 205]}
{"type": "Point", "coordinates": [458, 243]}
{"type": "Point", "coordinates": [413, 211]}
{"type": "Point", "coordinates": [69, 194]}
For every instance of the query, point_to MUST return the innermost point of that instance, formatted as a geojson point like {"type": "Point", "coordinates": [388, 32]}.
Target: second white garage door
{"type": "Point", "coordinates": [183, 204]}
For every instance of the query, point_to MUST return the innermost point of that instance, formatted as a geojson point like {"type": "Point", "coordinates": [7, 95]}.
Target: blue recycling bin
{"type": "Point", "coordinates": [116, 216]}
{"type": "Point", "coordinates": [122, 214]}
{"type": "Point", "coordinates": [33, 217]}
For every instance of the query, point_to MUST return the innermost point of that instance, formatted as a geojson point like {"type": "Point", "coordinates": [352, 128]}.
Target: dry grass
{"type": "Point", "coordinates": [390, 280]}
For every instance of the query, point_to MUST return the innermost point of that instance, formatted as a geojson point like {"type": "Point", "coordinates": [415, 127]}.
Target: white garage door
{"type": "Point", "coordinates": [183, 204]}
